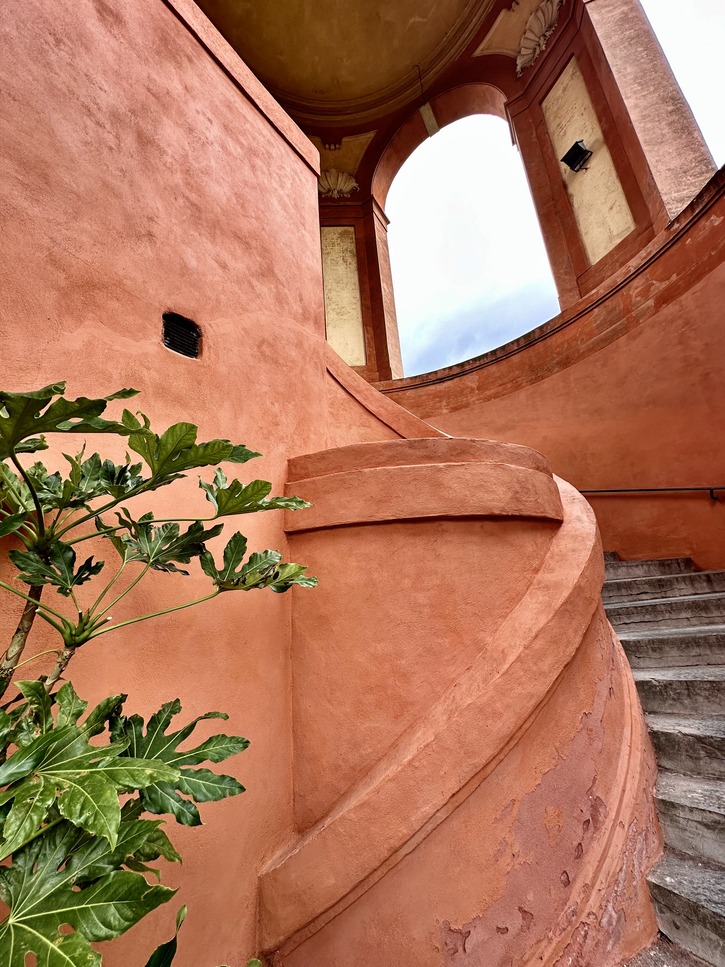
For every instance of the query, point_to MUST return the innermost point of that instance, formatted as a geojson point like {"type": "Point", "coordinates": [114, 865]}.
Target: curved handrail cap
{"type": "Point", "coordinates": [415, 452]}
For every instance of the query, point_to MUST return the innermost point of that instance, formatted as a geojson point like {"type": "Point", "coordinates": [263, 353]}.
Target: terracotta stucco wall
{"type": "Point", "coordinates": [140, 175]}
{"type": "Point", "coordinates": [622, 391]}
{"type": "Point", "coordinates": [148, 171]}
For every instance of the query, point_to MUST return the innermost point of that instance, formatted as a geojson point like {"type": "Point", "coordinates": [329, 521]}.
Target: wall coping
{"type": "Point", "coordinates": [712, 192]}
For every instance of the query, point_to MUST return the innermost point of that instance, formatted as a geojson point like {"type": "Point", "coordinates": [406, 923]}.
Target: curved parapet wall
{"type": "Point", "coordinates": [622, 391]}
{"type": "Point", "coordinates": [470, 767]}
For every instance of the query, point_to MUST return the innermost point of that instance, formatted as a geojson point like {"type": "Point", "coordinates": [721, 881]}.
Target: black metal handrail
{"type": "Point", "coordinates": [661, 490]}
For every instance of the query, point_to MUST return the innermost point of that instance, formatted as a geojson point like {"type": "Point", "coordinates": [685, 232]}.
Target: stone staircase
{"type": "Point", "coordinates": [670, 618]}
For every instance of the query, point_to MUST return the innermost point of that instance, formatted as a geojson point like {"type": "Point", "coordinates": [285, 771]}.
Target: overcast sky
{"type": "Point", "coordinates": [469, 266]}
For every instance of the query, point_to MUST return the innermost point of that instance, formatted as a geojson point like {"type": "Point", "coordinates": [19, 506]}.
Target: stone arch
{"type": "Point", "coordinates": [452, 105]}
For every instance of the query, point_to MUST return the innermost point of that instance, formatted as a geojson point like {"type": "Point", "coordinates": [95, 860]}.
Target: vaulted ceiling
{"type": "Point", "coordinates": [348, 61]}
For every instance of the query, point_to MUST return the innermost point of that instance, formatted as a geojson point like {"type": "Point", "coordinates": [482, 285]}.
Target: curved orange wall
{"type": "Point", "coordinates": [471, 766]}
{"type": "Point", "coordinates": [624, 390]}
{"type": "Point", "coordinates": [145, 173]}
{"type": "Point", "coordinates": [149, 171]}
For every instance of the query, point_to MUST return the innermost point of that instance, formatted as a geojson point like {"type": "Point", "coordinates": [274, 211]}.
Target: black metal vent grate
{"type": "Point", "coordinates": [181, 335]}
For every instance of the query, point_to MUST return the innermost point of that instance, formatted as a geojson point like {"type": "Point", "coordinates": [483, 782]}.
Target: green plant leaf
{"type": "Point", "coordinates": [203, 785]}
{"type": "Point", "coordinates": [95, 477]}
{"type": "Point", "coordinates": [70, 707]}
{"type": "Point", "coordinates": [58, 569]}
{"type": "Point", "coordinates": [262, 570]}
{"type": "Point", "coordinates": [164, 955]}
{"type": "Point", "coordinates": [233, 556]}
{"type": "Point", "coordinates": [60, 879]}
{"type": "Point", "coordinates": [30, 806]}
{"type": "Point", "coordinates": [164, 546]}
{"type": "Point", "coordinates": [155, 743]}
{"type": "Point", "coordinates": [29, 757]}
{"type": "Point", "coordinates": [87, 480]}
{"type": "Point", "coordinates": [86, 778]}
{"type": "Point", "coordinates": [106, 709]}
{"type": "Point", "coordinates": [12, 523]}
{"type": "Point", "coordinates": [25, 417]}
{"type": "Point", "coordinates": [14, 492]}
{"type": "Point", "coordinates": [39, 703]}
{"type": "Point", "coordinates": [236, 498]}
{"type": "Point", "coordinates": [176, 450]}
{"type": "Point", "coordinates": [90, 801]}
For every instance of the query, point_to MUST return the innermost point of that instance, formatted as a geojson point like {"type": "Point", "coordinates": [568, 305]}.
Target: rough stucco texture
{"type": "Point", "coordinates": [628, 395]}
{"type": "Point", "coordinates": [473, 877]}
{"type": "Point", "coordinates": [596, 194]}
{"type": "Point", "coordinates": [139, 179]}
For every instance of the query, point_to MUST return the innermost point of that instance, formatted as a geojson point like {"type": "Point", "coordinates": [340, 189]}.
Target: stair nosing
{"type": "Point", "coordinates": [649, 602]}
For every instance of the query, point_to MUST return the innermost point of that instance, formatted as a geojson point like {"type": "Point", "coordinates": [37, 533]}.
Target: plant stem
{"type": "Point", "coordinates": [103, 510]}
{"type": "Point", "coordinates": [26, 597]}
{"type": "Point", "coordinates": [50, 651]}
{"type": "Point", "coordinates": [60, 666]}
{"type": "Point", "coordinates": [107, 588]}
{"type": "Point", "coordinates": [123, 593]}
{"type": "Point", "coordinates": [155, 614]}
{"type": "Point", "coordinates": [19, 639]}
{"type": "Point", "coordinates": [38, 509]}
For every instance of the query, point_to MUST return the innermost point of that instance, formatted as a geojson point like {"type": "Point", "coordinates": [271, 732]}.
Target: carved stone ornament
{"type": "Point", "coordinates": [336, 184]}
{"type": "Point", "coordinates": [538, 30]}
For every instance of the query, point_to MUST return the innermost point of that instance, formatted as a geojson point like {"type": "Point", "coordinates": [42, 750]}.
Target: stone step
{"type": "Point", "coordinates": [657, 613]}
{"type": "Point", "coordinates": [692, 813]}
{"type": "Point", "coordinates": [664, 953]}
{"type": "Point", "coordinates": [672, 647]}
{"type": "Point", "coordinates": [693, 690]}
{"type": "Point", "coordinates": [663, 586]}
{"type": "Point", "coordinates": [616, 569]}
{"type": "Point", "coordinates": [688, 745]}
{"type": "Point", "coordinates": [689, 898]}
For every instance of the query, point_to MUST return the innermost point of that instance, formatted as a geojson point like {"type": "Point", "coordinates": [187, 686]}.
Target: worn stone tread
{"type": "Point", "coordinates": [658, 586]}
{"type": "Point", "coordinates": [700, 884]}
{"type": "Point", "coordinates": [691, 631]}
{"type": "Point", "coordinates": [698, 691]}
{"type": "Point", "coordinates": [664, 953]}
{"type": "Point", "coordinates": [683, 673]}
{"type": "Point", "coordinates": [683, 599]}
{"type": "Point", "coordinates": [708, 725]}
{"type": "Point", "coordinates": [617, 568]}
{"type": "Point", "coordinates": [650, 614]}
{"type": "Point", "coordinates": [692, 791]}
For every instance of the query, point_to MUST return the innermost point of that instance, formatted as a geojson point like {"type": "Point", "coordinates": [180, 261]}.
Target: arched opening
{"type": "Point", "coordinates": [470, 270]}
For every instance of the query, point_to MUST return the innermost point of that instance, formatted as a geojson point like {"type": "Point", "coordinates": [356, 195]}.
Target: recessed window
{"type": "Point", "coordinates": [181, 335]}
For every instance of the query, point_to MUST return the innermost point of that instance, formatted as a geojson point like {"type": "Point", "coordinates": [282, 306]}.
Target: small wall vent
{"type": "Point", "coordinates": [181, 335]}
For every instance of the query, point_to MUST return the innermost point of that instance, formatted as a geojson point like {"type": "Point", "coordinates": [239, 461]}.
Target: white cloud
{"type": "Point", "coordinates": [463, 237]}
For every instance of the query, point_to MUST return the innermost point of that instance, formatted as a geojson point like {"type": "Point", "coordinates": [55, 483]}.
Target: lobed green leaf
{"type": "Point", "coordinates": [56, 567]}
{"type": "Point", "coordinates": [156, 743]}
{"type": "Point", "coordinates": [25, 417]}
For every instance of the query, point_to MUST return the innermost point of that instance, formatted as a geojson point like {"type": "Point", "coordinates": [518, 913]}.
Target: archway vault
{"type": "Point", "coordinates": [575, 84]}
